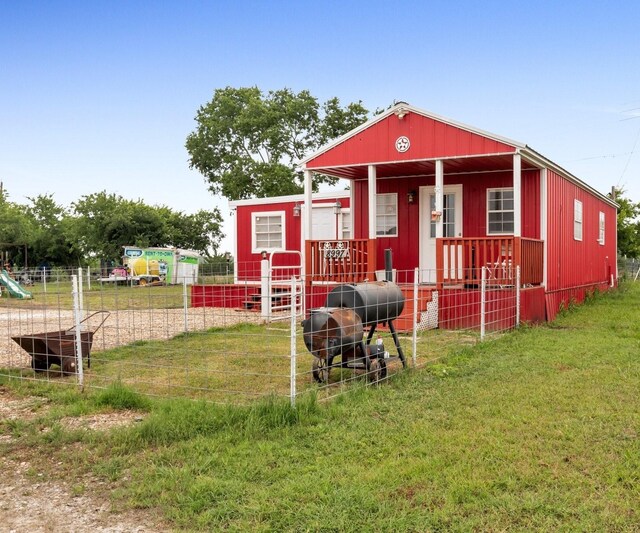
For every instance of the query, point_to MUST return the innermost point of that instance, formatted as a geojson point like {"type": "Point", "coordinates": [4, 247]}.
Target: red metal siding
{"type": "Point", "coordinates": [474, 207]}
{"type": "Point", "coordinates": [247, 262]}
{"type": "Point", "coordinates": [573, 266]}
{"type": "Point", "coordinates": [429, 139]}
{"type": "Point", "coordinates": [460, 309]}
{"type": "Point", "coordinates": [531, 204]}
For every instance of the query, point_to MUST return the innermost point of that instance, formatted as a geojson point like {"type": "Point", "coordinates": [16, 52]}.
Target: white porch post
{"type": "Point", "coordinates": [543, 222]}
{"type": "Point", "coordinates": [371, 189]}
{"type": "Point", "coordinates": [439, 192]}
{"type": "Point", "coordinates": [308, 209]}
{"type": "Point", "coordinates": [517, 195]}
{"type": "Point", "coordinates": [352, 208]}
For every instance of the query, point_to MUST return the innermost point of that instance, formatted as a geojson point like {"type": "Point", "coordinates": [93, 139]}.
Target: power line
{"type": "Point", "coordinates": [610, 156]}
{"type": "Point", "coordinates": [630, 156]}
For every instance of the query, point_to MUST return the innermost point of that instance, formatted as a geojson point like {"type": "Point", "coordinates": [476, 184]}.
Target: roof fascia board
{"type": "Point", "coordinates": [538, 159]}
{"type": "Point", "coordinates": [425, 160]}
{"type": "Point", "coordinates": [289, 198]}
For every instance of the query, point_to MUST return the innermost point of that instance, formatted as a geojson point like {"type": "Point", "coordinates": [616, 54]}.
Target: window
{"type": "Point", "coordinates": [601, 228]}
{"type": "Point", "coordinates": [499, 211]}
{"type": "Point", "coordinates": [448, 215]}
{"type": "Point", "coordinates": [387, 214]}
{"type": "Point", "coordinates": [577, 220]}
{"type": "Point", "coordinates": [267, 231]}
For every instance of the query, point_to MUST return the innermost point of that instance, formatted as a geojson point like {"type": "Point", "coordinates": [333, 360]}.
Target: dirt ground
{"type": "Point", "coordinates": [120, 328]}
{"type": "Point", "coordinates": [31, 500]}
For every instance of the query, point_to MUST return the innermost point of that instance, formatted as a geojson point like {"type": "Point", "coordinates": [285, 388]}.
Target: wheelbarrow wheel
{"type": "Point", "coordinates": [68, 365]}
{"type": "Point", "coordinates": [377, 370]}
{"type": "Point", "coordinates": [320, 370]}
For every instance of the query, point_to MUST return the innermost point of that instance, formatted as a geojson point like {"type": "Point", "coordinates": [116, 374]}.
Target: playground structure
{"type": "Point", "coordinates": [13, 287]}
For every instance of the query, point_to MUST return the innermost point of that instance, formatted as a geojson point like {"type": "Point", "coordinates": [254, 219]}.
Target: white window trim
{"type": "Point", "coordinates": [254, 248]}
{"type": "Point", "coordinates": [601, 228]}
{"type": "Point", "coordinates": [495, 189]}
{"type": "Point", "coordinates": [378, 213]}
{"type": "Point", "coordinates": [577, 203]}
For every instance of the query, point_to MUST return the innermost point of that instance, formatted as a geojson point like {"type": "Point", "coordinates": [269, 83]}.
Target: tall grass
{"type": "Point", "coordinates": [537, 431]}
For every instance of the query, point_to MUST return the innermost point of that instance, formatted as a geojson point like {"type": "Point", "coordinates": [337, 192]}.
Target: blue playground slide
{"type": "Point", "coordinates": [15, 289]}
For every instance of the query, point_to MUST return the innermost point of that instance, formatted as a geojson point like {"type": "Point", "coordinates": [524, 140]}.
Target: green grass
{"type": "Point", "coordinates": [108, 296]}
{"type": "Point", "coordinates": [235, 364]}
{"type": "Point", "coordinates": [538, 430]}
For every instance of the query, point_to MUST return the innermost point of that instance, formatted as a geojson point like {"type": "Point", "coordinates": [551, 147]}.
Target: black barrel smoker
{"type": "Point", "coordinates": [338, 329]}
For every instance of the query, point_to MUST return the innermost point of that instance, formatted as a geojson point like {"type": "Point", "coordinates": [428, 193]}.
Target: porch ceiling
{"type": "Point", "coordinates": [426, 167]}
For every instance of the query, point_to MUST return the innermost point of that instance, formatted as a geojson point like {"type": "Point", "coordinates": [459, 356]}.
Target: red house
{"type": "Point", "coordinates": [451, 202]}
{"type": "Point", "coordinates": [449, 199]}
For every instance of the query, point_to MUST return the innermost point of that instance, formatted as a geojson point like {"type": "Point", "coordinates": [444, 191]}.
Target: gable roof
{"type": "Point", "coordinates": [431, 137]}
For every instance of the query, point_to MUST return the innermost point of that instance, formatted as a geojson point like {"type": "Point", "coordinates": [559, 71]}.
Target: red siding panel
{"type": "Point", "coordinates": [572, 265]}
{"type": "Point", "coordinates": [429, 139]}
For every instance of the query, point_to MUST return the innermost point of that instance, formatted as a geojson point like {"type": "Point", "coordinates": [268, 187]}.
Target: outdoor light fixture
{"type": "Point", "coordinates": [296, 210]}
{"type": "Point", "coordinates": [264, 254]}
{"type": "Point", "coordinates": [411, 197]}
{"type": "Point", "coordinates": [337, 208]}
{"type": "Point", "coordinates": [401, 112]}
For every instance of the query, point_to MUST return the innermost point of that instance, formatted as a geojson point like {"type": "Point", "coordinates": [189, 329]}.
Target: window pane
{"type": "Point", "coordinates": [386, 215]}
{"type": "Point", "coordinates": [268, 231]}
{"type": "Point", "coordinates": [500, 207]}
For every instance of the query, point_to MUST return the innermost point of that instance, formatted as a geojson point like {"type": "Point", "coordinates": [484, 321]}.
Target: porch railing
{"type": "Point", "coordinates": [460, 260]}
{"type": "Point", "coordinates": [340, 261]}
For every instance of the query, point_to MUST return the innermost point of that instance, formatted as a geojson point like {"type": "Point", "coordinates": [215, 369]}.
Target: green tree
{"type": "Point", "coordinates": [52, 237]}
{"type": "Point", "coordinates": [247, 144]}
{"type": "Point", "coordinates": [628, 225]}
{"type": "Point", "coordinates": [16, 230]}
{"type": "Point", "coordinates": [107, 222]}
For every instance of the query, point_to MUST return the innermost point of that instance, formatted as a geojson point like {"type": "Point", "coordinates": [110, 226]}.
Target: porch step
{"type": "Point", "coordinates": [404, 323]}
{"type": "Point", "coordinates": [280, 298]}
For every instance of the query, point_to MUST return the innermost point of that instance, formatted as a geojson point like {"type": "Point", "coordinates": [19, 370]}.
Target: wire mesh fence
{"type": "Point", "coordinates": [629, 268]}
{"type": "Point", "coordinates": [235, 341]}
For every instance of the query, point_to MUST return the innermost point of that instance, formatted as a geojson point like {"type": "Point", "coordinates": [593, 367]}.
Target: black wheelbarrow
{"type": "Point", "coordinates": [59, 347]}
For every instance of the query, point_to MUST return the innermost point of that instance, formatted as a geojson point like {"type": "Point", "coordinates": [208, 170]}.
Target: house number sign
{"type": "Point", "coordinates": [337, 250]}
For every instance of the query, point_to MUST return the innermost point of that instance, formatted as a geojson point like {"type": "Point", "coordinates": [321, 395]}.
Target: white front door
{"type": "Point", "coordinates": [452, 226]}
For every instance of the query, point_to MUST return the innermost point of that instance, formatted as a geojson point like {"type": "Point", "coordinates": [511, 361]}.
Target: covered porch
{"type": "Point", "coordinates": [459, 262]}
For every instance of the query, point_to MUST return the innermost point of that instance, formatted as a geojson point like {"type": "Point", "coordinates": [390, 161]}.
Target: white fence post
{"type": "Point", "coordinates": [89, 278]}
{"type": "Point", "coordinates": [518, 296]}
{"type": "Point", "coordinates": [416, 300]}
{"type": "Point", "coordinates": [265, 290]}
{"type": "Point", "coordinates": [185, 304]}
{"type": "Point", "coordinates": [293, 371]}
{"type": "Point", "coordinates": [78, 332]}
{"type": "Point", "coordinates": [44, 280]}
{"type": "Point", "coordinates": [483, 302]}
{"type": "Point", "coordinates": [80, 291]}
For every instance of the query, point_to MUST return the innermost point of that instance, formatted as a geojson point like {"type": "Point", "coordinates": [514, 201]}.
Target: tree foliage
{"type": "Point", "coordinates": [107, 222]}
{"type": "Point", "coordinates": [96, 227]}
{"type": "Point", "coordinates": [628, 225]}
{"type": "Point", "coordinates": [247, 144]}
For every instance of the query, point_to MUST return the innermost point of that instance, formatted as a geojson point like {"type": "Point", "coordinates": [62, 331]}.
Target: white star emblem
{"type": "Point", "coordinates": [402, 144]}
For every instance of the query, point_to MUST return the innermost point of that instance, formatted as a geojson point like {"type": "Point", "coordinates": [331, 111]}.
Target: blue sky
{"type": "Point", "coordinates": [101, 95]}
